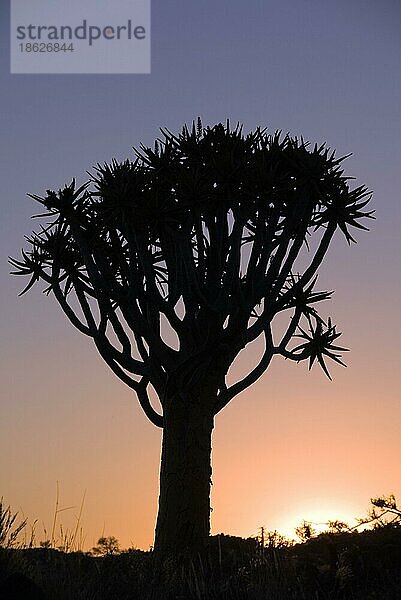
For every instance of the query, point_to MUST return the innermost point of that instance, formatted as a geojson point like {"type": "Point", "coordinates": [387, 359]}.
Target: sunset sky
{"type": "Point", "coordinates": [295, 445]}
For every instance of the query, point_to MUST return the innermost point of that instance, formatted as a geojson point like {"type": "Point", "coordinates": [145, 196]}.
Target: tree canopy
{"type": "Point", "coordinates": [200, 234]}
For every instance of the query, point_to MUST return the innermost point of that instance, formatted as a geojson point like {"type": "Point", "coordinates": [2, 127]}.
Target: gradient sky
{"type": "Point", "coordinates": [295, 445]}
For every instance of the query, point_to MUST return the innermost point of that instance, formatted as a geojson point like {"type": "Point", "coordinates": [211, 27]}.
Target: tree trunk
{"type": "Point", "coordinates": [183, 520]}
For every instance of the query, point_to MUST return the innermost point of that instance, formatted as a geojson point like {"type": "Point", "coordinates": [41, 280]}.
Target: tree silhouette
{"type": "Point", "coordinates": [106, 546]}
{"type": "Point", "coordinates": [208, 235]}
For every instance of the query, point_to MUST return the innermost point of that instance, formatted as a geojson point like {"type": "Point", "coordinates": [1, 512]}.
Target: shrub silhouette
{"type": "Point", "coordinates": [106, 546]}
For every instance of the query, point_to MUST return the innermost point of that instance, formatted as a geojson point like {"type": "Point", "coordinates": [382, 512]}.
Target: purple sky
{"type": "Point", "coordinates": [327, 70]}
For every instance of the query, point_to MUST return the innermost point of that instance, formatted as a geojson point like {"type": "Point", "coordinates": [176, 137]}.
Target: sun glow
{"type": "Point", "coordinates": [317, 515]}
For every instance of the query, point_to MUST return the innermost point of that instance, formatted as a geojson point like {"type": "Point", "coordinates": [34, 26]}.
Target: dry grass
{"type": "Point", "coordinates": [342, 565]}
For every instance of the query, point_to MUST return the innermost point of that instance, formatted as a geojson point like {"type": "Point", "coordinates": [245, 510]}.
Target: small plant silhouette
{"type": "Point", "coordinates": [9, 529]}
{"type": "Point", "coordinates": [106, 546]}
{"type": "Point", "coordinates": [305, 531]}
{"type": "Point", "coordinates": [385, 512]}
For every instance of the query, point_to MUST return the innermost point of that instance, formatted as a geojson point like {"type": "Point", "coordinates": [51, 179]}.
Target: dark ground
{"type": "Point", "coordinates": [332, 566]}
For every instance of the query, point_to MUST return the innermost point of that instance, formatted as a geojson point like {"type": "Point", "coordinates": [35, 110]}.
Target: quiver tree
{"type": "Point", "coordinates": [204, 236]}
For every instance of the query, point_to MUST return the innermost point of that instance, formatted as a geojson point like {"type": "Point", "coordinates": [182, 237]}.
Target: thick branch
{"type": "Point", "coordinates": [147, 408]}
{"type": "Point", "coordinates": [292, 355]}
{"type": "Point", "coordinates": [68, 310]}
{"type": "Point", "coordinates": [62, 300]}
{"type": "Point", "coordinates": [99, 336]}
{"type": "Point", "coordinates": [291, 329]}
{"type": "Point", "coordinates": [228, 394]}
{"type": "Point", "coordinates": [138, 387]}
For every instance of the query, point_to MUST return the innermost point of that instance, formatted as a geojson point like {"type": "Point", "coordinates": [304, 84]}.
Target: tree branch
{"type": "Point", "coordinates": [147, 408]}
{"type": "Point", "coordinates": [228, 394]}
